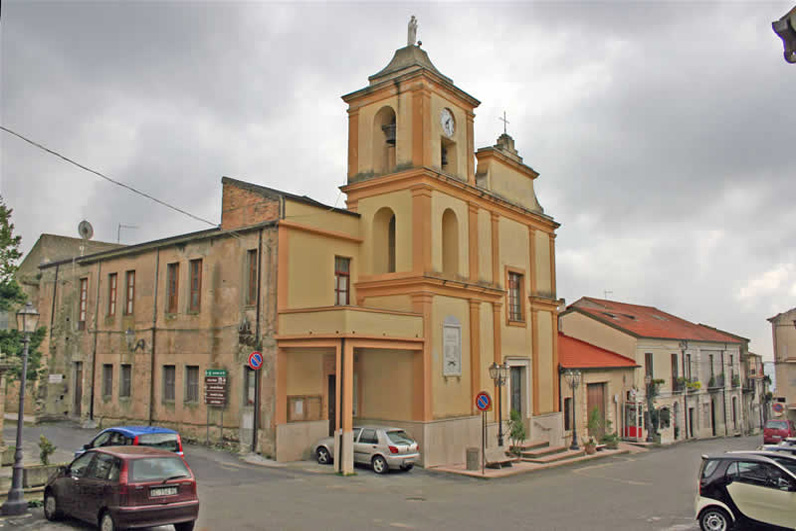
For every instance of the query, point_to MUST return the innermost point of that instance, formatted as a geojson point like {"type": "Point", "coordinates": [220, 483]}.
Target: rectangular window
{"type": "Point", "coordinates": [515, 297]}
{"type": "Point", "coordinates": [342, 281]}
{"type": "Point", "coordinates": [567, 414]}
{"type": "Point", "coordinates": [172, 287]}
{"type": "Point", "coordinates": [251, 279]}
{"type": "Point", "coordinates": [192, 383]}
{"type": "Point", "coordinates": [112, 279]}
{"type": "Point", "coordinates": [249, 383]}
{"type": "Point", "coordinates": [195, 271]}
{"type": "Point", "coordinates": [81, 319]}
{"type": "Point", "coordinates": [169, 374]}
{"type": "Point", "coordinates": [675, 374]}
{"type": "Point", "coordinates": [107, 380]}
{"type": "Point", "coordinates": [687, 367]}
{"type": "Point", "coordinates": [129, 301]}
{"type": "Point", "coordinates": [125, 381]}
{"type": "Point", "coordinates": [648, 365]}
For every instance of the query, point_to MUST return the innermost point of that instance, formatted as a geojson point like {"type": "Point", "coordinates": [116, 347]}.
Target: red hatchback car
{"type": "Point", "coordinates": [125, 487]}
{"type": "Point", "coordinates": [776, 431]}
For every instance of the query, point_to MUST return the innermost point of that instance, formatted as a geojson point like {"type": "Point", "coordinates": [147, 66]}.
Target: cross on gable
{"type": "Point", "coordinates": [505, 122]}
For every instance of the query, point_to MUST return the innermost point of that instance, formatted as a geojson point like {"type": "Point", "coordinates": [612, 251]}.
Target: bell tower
{"type": "Point", "coordinates": [410, 116]}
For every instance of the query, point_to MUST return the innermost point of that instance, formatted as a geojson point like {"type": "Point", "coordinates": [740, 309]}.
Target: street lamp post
{"type": "Point", "coordinates": [499, 374]}
{"type": "Point", "coordinates": [27, 321]}
{"type": "Point", "coordinates": [648, 382]}
{"type": "Point", "coordinates": [573, 379]}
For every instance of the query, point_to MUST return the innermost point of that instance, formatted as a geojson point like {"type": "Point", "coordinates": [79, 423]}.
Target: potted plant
{"type": "Point", "coordinates": [590, 445]}
{"type": "Point", "coordinates": [37, 475]}
{"type": "Point", "coordinates": [516, 432]}
{"type": "Point", "coordinates": [611, 438]}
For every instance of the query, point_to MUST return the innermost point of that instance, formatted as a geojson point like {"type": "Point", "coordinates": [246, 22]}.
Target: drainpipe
{"type": "Point", "coordinates": [257, 340]}
{"type": "Point", "coordinates": [55, 294]}
{"type": "Point", "coordinates": [94, 353]}
{"type": "Point", "coordinates": [154, 329]}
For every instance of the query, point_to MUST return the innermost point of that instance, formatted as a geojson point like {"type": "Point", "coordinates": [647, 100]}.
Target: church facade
{"type": "Point", "coordinates": [389, 311]}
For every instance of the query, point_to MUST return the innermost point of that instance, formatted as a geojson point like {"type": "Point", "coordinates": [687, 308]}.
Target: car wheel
{"type": "Point", "coordinates": [51, 511]}
{"type": "Point", "coordinates": [323, 456]}
{"type": "Point", "coordinates": [715, 519]}
{"type": "Point", "coordinates": [380, 465]}
{"type": "Point", "coordinates": [106, 522]}
{"type": "Point", "coordinates": [185, 526]}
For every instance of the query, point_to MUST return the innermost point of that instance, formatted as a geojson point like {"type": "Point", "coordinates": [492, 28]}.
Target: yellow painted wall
{"type": "Point", "coordinates": [543, 270]}
{"type": "Point", "coordinates": [401, 205]}
{"type": "Point", "coordinates": [305, 372]}
{"type": "Point", "coordinates": [311, 268]}
{"type": "Point", "coordinates": [484, 245]}
{"type": "Point", "coordinates": [322, 218]}
{"type": "Point", "coordinates": [439, 203]}
{"type": "Point", "coordinates": [545, 364]}
{"type": "Point", "coordinates": [351, 320]}
{"type": "Point", "coordinates": [400, 303]}
{"type": "Point", "coordinates": [451, 394]}
{"type": "Point", "coordinates": [514, 253]}
{"type": "Point", "coordinates": [487, 346]}
{"type": "Point", "coordinates": [587, 329]}
{"type": "Point", "coordinates": [512, 185]}
{"type": "Point", "coordinates": [385, 383]}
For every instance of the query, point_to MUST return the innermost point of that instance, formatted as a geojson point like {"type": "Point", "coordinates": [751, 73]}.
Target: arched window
{"type": "Point", "coordinates": [384, 241]}
{"type": "Point", "coordinates": [450, 242]}
{"type": "Point", "coordinates": [384, 141]}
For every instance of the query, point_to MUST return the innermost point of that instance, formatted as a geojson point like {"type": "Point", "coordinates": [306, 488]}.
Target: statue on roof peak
{"type": "Point", "coordinates": [411, 37]}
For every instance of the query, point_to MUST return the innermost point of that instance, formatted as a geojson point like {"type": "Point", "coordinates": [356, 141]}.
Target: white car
{"type": "Point", "coordinates": [381, 448]}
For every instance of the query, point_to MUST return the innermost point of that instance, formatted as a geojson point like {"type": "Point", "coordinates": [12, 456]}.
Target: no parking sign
{"type": "Point", "coordinates": [255, 360]}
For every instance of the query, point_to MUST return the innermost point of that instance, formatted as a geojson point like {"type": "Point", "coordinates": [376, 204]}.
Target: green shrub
{"type": "Point", "coordinates": [46, 449]}
{"type": "Point", "coordinates": [517, 432]}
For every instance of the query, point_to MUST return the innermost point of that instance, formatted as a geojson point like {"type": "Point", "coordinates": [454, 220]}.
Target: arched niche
{"type": "Point", "coordinates": [384, 241]}
{"type": "Point", "coordinates": [450, 242]}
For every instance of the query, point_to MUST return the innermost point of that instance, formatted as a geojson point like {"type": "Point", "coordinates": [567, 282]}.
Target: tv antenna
{"type": "Point", "coordinates": [119, 230]}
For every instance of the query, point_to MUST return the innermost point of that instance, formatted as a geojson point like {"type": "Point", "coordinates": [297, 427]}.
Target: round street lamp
{"type": "Point", "coordinates": [573, 380]}
{"type": "Point", "coordinates": [499, 374]}
{"type": "Point", "coordinates": [27, 322]}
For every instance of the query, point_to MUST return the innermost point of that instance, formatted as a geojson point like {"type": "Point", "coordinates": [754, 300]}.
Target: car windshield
{"type": "Point", "coordinates": [166, 441]}
{"type": "Point", "coordinates": [400, 437]}
{"type": "Point", "coordinates": [776, 425]}
{"type": "Point", "coordinates": [157, 469]}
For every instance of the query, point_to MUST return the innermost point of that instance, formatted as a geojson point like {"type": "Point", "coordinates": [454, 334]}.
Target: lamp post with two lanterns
{"type": "Point", "coordinates": [573, 380]}
{"type": "Point", "coordinates": [499, 374]}
{"type": "Point", "coordinates": [27, 321]}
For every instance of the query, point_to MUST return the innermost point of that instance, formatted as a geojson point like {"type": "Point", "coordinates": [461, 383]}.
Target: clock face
{"type": "Point", "coordinates": [446, 120]}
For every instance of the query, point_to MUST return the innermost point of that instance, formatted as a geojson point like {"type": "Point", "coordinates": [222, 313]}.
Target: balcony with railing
{"type": "Point", "coordinates": [679, 385]}
{"type": "Point", "coordinates": [716, 382]}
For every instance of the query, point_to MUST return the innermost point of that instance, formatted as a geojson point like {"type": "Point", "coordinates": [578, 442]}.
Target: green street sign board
{"type": "Point", "coordinates": [215, 372]}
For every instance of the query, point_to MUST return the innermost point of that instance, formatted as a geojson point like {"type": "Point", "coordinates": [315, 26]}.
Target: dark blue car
{"type": "Point", "coordinates": [153, 436]}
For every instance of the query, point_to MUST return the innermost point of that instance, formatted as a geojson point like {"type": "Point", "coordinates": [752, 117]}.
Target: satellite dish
{"type": "Point", "coordinates": [85, 230]}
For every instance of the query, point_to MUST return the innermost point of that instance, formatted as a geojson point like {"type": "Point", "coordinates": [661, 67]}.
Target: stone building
{"type": "Point", "coordinates": [783, 332]}
{"type": "Point", "coordinates": [389, 311]}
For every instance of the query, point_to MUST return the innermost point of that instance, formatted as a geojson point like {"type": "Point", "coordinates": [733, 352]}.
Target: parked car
{"type": "Point", "coordinates": [124, 487]}
{"type": "Point", "coordinates": [778, 430]}
{"type": "Point", "coordinates": [153, 436]}
{"type": "Point", "coordinates": [742, 489]}
{"type": "Point", "coordinates": [781, 447]}
{"type": "Point", "coordinates": [381, 448]}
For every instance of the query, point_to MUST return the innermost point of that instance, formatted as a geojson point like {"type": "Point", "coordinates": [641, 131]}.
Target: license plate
{"type": "Point", "coordinates": [163, 491]}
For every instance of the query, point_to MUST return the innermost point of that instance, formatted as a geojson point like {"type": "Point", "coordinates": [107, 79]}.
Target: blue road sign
{"type": "Point", "coordinates": [483, 401]}
{"type": "Point", "coordinates": [255, 360]}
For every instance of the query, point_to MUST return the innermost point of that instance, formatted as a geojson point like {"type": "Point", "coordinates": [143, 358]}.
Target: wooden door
{"type": "Point", "coordinates": [595, 399]}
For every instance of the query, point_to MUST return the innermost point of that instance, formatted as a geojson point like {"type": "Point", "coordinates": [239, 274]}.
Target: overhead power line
{"type": "Point", "coordinates": [128, 187]}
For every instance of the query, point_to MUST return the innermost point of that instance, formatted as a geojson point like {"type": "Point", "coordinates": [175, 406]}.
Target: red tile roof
{"type": "Point", "coordinates": [647, 321]}
{"type": "Point", "coordinates": [576, 354]}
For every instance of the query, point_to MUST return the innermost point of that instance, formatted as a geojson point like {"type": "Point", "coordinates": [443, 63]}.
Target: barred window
{"type": "Point", "coordinates": [107, 380]}
{"type": "Point", "coordinates": [192, 383]}
{"type": "Point", "coordinates": [125, 381]}
{"type": "Point", "coordinates": [169, 374]}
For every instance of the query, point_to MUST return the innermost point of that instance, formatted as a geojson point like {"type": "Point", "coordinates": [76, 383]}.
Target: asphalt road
{"type": "Point", "coordinates": [647, 491]}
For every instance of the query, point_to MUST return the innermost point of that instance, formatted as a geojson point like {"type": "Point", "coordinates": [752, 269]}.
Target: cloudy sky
{"type": "Point", "coordinates": [663, 131]}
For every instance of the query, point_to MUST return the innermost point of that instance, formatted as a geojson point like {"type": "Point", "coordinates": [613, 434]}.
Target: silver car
{"type": "Point", "coordinates": [381, 448]}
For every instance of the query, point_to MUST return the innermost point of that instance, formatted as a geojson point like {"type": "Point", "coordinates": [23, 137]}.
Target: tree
{"type": "Point", "coordinates": [11, 293]}
{"type": "Point", "coordinates": [12, 296]}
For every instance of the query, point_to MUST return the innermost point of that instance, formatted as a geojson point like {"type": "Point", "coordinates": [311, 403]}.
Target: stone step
{"type": "Point", "coordinates": [562, 454]}
{"type": "Point", "coordinates": [543, 452]}
{"type": "Point", "coordinates": [530, 446]}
